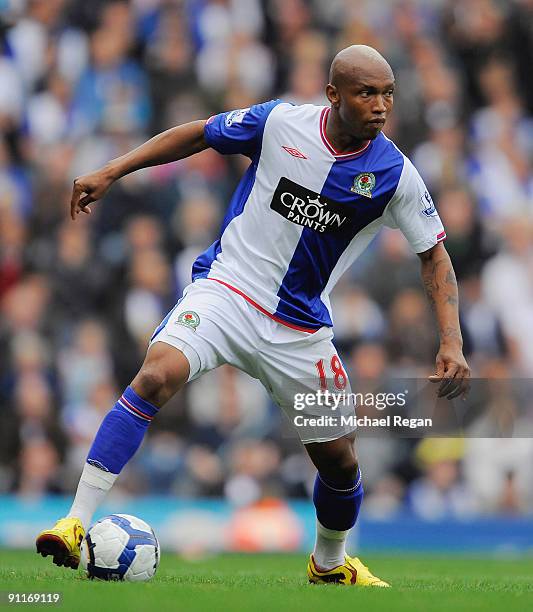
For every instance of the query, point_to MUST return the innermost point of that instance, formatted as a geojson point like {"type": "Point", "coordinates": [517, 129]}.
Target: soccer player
{"type": "Point", "coordinates": [322, 181]}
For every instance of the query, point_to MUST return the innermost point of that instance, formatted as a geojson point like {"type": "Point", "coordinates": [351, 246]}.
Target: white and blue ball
{"type": "Point", "coordinates": [120, 547]}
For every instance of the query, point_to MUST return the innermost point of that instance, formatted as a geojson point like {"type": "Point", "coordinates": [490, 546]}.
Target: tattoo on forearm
{"type": "Point", "coordinates": [440, 285]}
{"type": "Point", "coordinates": [451, 285]}
{"type": "Point", "coordinates": [428, 286]}
{"type": "Point", "coordinates": [450, 277]}
{"type": "Point", "coordinates": [451, 332]}
{"type": "Point", "coordinates": [451, 299]}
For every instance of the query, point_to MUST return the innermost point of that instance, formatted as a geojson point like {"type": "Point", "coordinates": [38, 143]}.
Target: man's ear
{"type": "Point", "coordinates": [333, 95]}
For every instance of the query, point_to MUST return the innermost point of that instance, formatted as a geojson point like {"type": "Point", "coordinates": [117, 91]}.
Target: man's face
{"type": "Point", "coordinates": [364, 102]}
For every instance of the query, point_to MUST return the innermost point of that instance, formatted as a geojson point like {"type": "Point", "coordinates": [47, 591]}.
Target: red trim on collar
{"type": "Point", "coordinates": [327, 143]}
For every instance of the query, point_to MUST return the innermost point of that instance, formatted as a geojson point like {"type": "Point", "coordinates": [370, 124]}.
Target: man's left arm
{"type": "Point", "coordinates": [440, 285]}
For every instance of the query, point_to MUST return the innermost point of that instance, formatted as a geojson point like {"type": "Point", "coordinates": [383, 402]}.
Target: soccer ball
{"type": "Point", "coordinates": [120, 547]}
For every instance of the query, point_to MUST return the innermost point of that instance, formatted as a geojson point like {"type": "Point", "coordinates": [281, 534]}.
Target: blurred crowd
{"type": "Point", "coordinates": [82, 82]}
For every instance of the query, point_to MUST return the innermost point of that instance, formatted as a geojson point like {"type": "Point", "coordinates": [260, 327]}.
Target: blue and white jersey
{"type": "Point", "coordinates": [302, 213]}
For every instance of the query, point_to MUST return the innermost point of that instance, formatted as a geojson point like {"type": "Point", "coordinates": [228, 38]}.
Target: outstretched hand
{"type": "Point", "coordinates": [87, 189]}
{"type": "Point", "coordinates": [452, 373]}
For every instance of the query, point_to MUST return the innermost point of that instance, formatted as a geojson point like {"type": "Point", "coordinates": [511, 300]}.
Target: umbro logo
{"type": "Point", "coordinates": [294, 152]}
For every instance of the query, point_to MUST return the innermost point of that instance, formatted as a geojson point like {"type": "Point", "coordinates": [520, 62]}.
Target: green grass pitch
{"type": "Point", "coordinates": [277, 583]}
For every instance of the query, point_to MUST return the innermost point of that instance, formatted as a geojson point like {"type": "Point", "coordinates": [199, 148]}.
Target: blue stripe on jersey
{"type": "Point", "coordinates": [317, 254]}
{"type": "Point", "coordinates": [245, 138]}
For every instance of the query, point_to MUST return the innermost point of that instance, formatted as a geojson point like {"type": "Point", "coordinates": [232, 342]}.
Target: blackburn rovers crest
{"type": "Point", "coordinates": [363, 184]}
{"type": "Point", "coordinates": [189, 318]}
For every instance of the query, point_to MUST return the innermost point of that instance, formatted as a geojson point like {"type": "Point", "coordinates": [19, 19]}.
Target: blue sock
{"type": "Point", "coordinates": [121, 432]}
{"type": "Point", "coordinates": [337, 507]}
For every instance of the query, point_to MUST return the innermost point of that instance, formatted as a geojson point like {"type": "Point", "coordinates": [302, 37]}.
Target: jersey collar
{"type": "Point", "coordinates": [323, 120]}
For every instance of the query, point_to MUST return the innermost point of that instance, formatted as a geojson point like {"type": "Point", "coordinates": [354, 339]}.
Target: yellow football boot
{"type": "Point", "coordinates": [63, 541]}
{"type": "Point", "coordinates": [352, 571]}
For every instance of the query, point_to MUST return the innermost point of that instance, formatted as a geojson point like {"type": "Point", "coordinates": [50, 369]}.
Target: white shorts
{"type": "Point", "coordinates": [213, 325]}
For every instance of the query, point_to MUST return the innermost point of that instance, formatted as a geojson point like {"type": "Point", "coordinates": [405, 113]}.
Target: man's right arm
{"type": "Point", "coordinates": [177, 143]}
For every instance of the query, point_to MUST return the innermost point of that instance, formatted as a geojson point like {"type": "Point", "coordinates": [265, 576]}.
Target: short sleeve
{"type": "Point", "coordinates": [240, 130]}
{"type": "Point", "coordinates": [412, 210]}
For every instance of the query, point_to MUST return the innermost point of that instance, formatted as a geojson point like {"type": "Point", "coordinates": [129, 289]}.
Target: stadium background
{"type": "Point", "coordinates": [82, 82]}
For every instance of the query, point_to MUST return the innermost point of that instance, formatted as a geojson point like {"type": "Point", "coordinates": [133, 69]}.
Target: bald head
{"type": "Point", "coordinates": [357, 62]}
{"type": "Point", "coordinates": [361, 92]}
